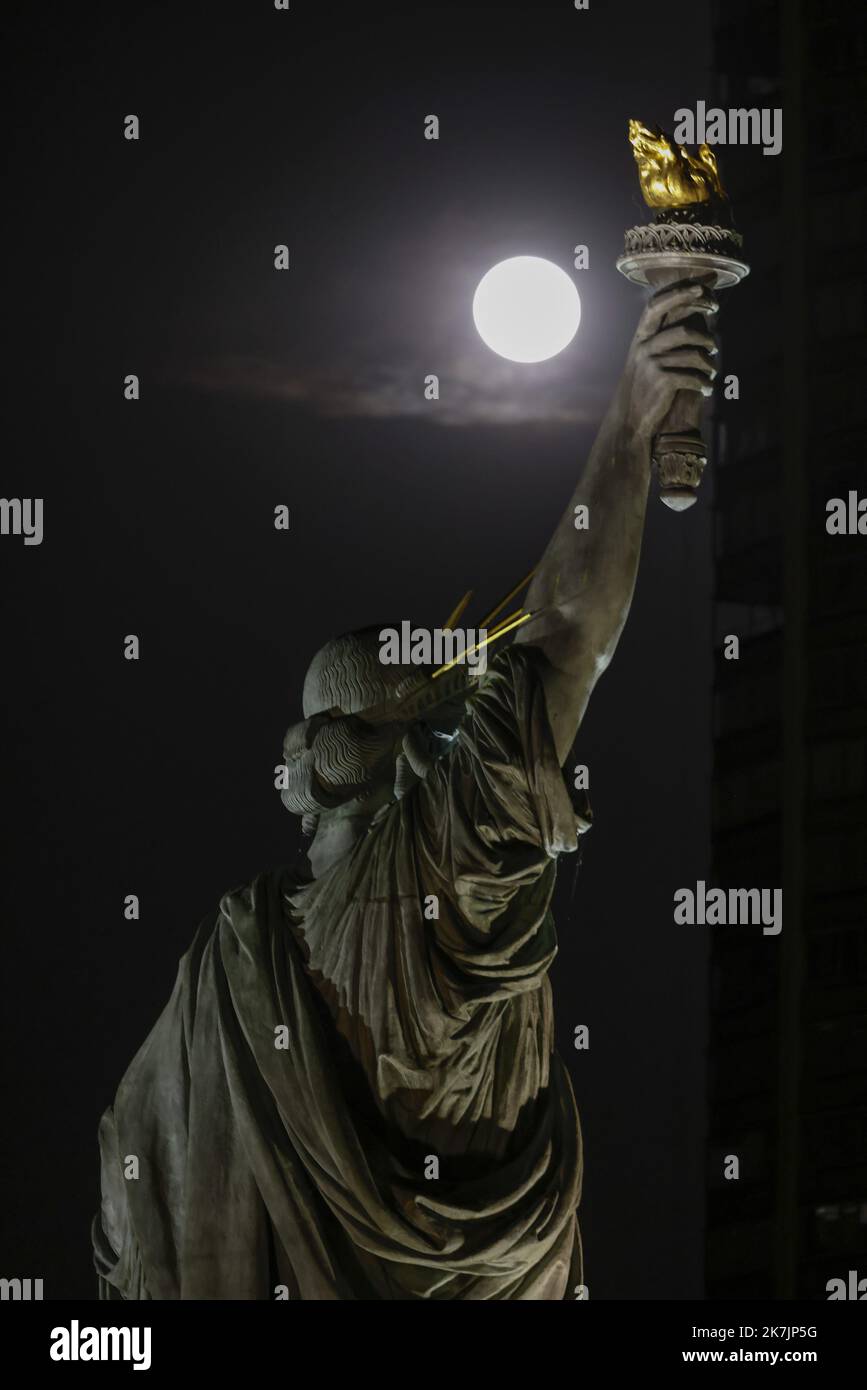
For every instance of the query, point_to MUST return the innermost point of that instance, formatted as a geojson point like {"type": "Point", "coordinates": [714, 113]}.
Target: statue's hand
{"type": "Point", "coordinates": [667, 355]}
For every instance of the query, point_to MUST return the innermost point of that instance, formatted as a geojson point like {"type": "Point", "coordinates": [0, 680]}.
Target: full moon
{"type": "Point", "coordinates": [526, 309]}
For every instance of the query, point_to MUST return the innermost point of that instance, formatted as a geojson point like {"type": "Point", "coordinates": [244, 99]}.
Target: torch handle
{"type": "Point", "coordinates": [679, 454]}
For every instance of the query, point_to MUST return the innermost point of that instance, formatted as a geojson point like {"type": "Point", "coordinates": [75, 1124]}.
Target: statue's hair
{"type": "Point", "coordinates": [347, 674]}
{"type": "Point", "coordinates": [330, 761]}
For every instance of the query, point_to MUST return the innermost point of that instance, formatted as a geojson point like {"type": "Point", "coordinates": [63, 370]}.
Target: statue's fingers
{"type": "Point", "coordinates": [677, 301]}
{"type": "Point", "coordinates": [704, 304]}
{"type": "Point", "coordinates": [689, 284]}
{"type": "Point", "coordinates": [682, 335]}
{"type": "Point", "coordinates": [685, 379]}
{"type": "Point", "coordinates": [694, 357]}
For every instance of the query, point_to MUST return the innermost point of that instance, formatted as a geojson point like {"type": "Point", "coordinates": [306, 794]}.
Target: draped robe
{"type": "Point", "coordinates": [352, 1092]}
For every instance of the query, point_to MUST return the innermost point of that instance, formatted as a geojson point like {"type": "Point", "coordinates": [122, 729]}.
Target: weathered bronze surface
{"type": "Point", "coordinates": [408, 1037]}
{"type": "Point", "coordinates": [353, 1091]}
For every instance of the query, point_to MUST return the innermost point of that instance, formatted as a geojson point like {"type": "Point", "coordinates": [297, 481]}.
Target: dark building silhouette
{"type": "Point", "coordinates": [788, 1030]}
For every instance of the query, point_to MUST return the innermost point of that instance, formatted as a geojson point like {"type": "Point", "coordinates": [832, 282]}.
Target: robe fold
{"type": "Point", "coordinates": [352, 1092]}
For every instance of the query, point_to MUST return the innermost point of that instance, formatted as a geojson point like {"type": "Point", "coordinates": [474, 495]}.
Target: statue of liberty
{"type": "Point", "coordinates": [352, 1092]}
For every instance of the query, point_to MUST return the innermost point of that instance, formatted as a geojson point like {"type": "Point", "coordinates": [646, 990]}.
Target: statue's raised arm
{"type": "Point", "coordinates": [582, 590]}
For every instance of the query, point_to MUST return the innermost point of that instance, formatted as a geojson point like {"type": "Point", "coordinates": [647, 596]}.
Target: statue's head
{"type": "Point", "coordinates": [347, 676]}
{"type": "Point", "coordinates": [341, 767]}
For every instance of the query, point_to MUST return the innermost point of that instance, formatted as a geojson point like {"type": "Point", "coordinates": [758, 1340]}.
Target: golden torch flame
{"type": "Point", "coordinates": [669, 177]}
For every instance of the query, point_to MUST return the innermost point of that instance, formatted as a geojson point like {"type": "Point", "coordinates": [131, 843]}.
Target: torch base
{"type": "Point", "coordinates": [677, 498]}
{"type": "Point", "coordinates": [688, 247]}
{"type": "Point", "coordinates": [678, 462]}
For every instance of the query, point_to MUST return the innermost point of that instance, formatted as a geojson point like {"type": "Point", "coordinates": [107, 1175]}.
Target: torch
{"type": "Point", "coordinates": [691, 236]}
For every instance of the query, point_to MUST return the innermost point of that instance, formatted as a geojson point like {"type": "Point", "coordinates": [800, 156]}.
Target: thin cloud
{"type": "Point", "coordinates": [472, 392]}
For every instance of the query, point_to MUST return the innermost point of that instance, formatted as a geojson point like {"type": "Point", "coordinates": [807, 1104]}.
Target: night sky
{"type": "Point", "coordinates": [306, 388]}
